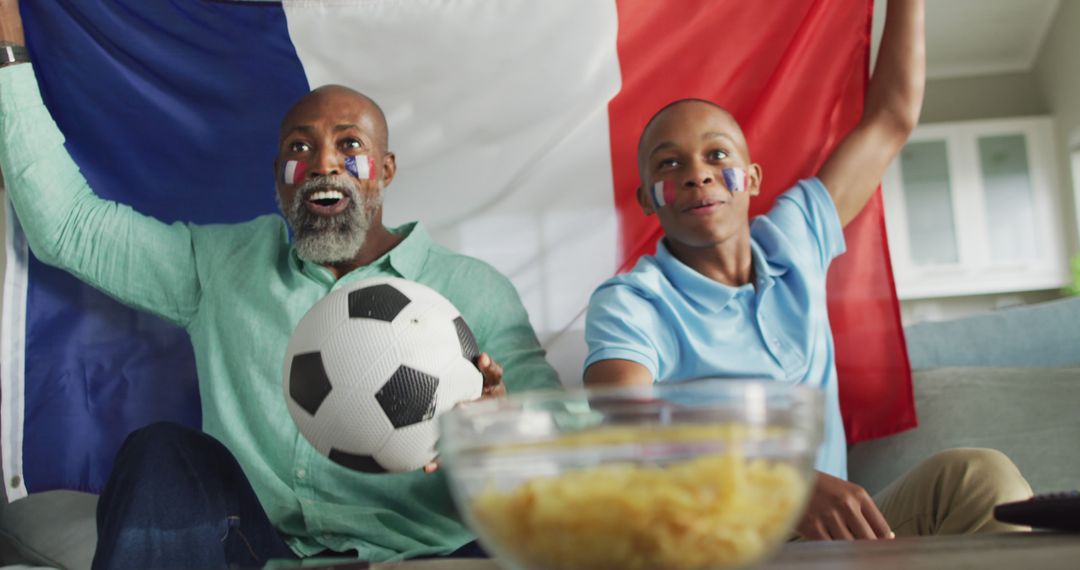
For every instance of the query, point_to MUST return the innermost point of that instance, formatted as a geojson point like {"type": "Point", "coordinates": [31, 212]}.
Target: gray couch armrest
{"type": "Point", "coordinates": [57, 529]}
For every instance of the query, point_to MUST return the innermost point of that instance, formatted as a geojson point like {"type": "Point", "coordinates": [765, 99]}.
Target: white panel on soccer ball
{"type": "Point", "coordinates": [433, 327]}
{"type": "Point", "coordinates": [390, 360]}
{"type": "Point", "coordinates": [306, 342]}
{"type": "Point", "coordinates": [353, 420]}
{"type": "Point", "coordinates": [469, 386]}
{"type": "Point", "coordinates": [409, 448]}
{"type": "Point", "coordinates": [418, 335]}
{"type": "Point", "coordinates": [357, 346]}
{"type": "Point", "coordinates": [358, 426]}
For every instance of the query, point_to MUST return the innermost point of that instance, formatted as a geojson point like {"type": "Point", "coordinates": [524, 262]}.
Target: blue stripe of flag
{"type": "Point", "coordinates": [171, 106]}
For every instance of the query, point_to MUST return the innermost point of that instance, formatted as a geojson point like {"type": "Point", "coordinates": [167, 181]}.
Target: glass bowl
{"type": "Point", "coordinates": [704, 474]}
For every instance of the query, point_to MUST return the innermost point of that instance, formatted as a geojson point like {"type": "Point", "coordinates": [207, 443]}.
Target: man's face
{"type": "Point", "coordinates": [686, 150]}
{"type": "Point", "coordinates": [331, 168]}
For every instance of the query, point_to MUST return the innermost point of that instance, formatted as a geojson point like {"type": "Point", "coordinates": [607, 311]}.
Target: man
{"type": "Point", "coordinates": [256, 489]}
{"type": "Point", "coordinates": [727, 297]}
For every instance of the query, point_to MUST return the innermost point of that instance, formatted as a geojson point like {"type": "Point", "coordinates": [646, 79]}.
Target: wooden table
{"type": "Point", "coordinates": [1025, 551]}
{"type": "Point", "coordinates": [1036, 551]}
{"type": "Point", "coordinates": [1020, 551]}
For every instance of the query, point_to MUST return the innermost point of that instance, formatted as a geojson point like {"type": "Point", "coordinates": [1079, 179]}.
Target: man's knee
{"type": "Point", "coordinates": [164, 450]}
{"type": "Point", "coordinates": [148, 435]}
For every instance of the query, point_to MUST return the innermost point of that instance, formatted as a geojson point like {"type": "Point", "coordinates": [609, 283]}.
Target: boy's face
{"type": "Point", "coordinates": [682, 159]}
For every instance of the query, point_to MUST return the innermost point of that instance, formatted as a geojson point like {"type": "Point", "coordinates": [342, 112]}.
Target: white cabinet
{"type": "Point", "coordinates": [973, 208]}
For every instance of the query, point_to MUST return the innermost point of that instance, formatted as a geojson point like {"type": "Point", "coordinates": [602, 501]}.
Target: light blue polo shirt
{"type": "Point", "coordinates": [682, 325]}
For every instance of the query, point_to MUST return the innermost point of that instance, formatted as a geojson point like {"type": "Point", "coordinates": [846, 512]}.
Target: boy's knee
{"type": "Point", "coordinates": [988, 473]}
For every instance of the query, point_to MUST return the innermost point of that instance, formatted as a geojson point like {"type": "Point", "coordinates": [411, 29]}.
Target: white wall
{"type": "Point", "coordinates": [982, 97]}
{"type": "Point", "coordinates": [1057, 71]}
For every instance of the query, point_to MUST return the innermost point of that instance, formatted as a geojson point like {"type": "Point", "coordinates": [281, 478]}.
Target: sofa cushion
{"type": "Point", "coordinates": [56, 529]}
{"type": "Point", "coordinates": [1030, 414]}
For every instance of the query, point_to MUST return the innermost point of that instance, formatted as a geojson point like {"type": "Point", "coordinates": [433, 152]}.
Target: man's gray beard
{"type": "Point", "coordinates": [336, 239]}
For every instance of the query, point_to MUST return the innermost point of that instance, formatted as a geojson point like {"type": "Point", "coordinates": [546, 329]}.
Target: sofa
{"type": "Point", "coordinates": [1008, 380]}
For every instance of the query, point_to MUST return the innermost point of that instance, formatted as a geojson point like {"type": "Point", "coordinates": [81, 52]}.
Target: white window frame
{"type": "Point", "coordinates": [975, 272]}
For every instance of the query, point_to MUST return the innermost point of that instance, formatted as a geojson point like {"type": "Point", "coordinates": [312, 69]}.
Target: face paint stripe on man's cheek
{"type": "Point", "coordinates": [735, 179]}
{"type": "Point", "coordinates": [293, 172]}
{"type": "Point", "coordinates": [663, 193]}
{"type": "Point", "coordinates": [360, 166]}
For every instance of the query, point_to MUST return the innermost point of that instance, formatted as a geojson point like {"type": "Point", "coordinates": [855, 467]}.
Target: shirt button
{"type": "Point", "coordinates": [301, 473]}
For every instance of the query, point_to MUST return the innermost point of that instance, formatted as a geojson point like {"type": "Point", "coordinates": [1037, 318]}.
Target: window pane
{"type": "Point", "coordinates": [924, 167]}
{"type": "Point", "coordinates": [1010, 207]}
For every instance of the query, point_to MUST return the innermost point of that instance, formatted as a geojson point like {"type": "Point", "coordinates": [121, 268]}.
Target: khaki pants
{"type": "Point", "coordinates": [953, 492]}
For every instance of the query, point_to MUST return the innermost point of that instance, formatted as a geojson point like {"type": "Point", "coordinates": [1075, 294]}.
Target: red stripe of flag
{"type": "Point", "coordinates": [794, 74]}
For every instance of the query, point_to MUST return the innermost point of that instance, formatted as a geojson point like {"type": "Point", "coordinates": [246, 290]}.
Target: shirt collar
{"type": "Point", "coordinates": [407, 258]}
{"type": "Point", "coordinates": [708, 294]}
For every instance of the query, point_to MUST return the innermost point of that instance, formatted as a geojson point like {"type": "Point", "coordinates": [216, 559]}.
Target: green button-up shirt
{"type": "Point", "coordinates": [239, 290]}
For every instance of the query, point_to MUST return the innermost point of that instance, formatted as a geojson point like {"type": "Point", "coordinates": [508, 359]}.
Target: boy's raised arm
{"type": "Point", "coordinates": [893, 102]}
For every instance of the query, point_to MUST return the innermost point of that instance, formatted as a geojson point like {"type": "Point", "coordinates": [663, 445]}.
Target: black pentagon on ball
{"type": "Point", "coordinates": [408, 397]}
{"type": "Point", "coordinates": [365, 463]}
{"type": "Point", "coordinates": [308, 384]}
{"type": "Point", "coordinates": [465, 337]}
{"type": "Point", "coordinates": [382, 302]}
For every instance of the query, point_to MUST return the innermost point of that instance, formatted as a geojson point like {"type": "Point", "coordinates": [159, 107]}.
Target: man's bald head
{"type": "Point", "coordinates": [339, 96]}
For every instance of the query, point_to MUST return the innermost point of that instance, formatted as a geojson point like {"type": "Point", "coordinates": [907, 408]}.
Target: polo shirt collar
{"type": "Point", "coordinates": [407, 258]}
{"type": "Point", "coordinates": [708, 294]}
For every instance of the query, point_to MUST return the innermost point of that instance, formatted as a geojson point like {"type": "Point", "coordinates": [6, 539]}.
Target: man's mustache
{"type": "Point", "coordinates": [339, 183]}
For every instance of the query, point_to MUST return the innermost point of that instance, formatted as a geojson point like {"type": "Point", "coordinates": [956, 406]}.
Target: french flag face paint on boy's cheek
{"type": "Point", "coordinates": [663, 193]}
{"type": "Point", "coordinates": [734, 179]}
{"type": "Point", "coordinates": [294, 171]}
{"type": "Point", "coordinates": [361, 166]}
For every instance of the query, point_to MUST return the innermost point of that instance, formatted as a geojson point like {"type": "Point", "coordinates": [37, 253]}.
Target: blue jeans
{"type": "Point", "coordinates": [177, 498]}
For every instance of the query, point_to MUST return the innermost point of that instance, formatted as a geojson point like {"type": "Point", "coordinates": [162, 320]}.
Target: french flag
{"type": "Point", "coordinates": [514, 122]}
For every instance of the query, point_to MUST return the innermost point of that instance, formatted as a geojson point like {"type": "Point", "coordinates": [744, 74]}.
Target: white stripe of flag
{"type": "Point", "coordinates": [524, 153]}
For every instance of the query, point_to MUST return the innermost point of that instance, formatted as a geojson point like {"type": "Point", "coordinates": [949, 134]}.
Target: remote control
{"type": "Point", "coordinates": [1054, 511]}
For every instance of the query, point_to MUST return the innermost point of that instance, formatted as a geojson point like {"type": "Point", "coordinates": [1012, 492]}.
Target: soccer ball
{"type": "Point", "coordinates": [369, 369]}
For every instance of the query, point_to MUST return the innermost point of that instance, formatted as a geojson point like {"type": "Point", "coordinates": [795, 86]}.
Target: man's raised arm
{"type": "Point", "coordinates": [11, 29]}
{"type": "Point", "coordinates": [893, 102]}
{"type": "Point", "coordinates": [137, 259]}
